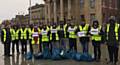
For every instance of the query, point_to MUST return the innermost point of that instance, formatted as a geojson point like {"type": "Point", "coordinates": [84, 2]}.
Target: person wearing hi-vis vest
{"type": "Point", "coordinates": [62, 35]}
{"type": "Point", "coordinates": [54, 37]}
{"type": "Point", "coordinates": [72, 31]}
{"type": "Point", "coordinates": [96, 33]}
{"type": "Point", "coordinates": [83, 31]}
{"type": "Point", "coordinates": [23, 37]}
{"type": "Point", "coordinates": [15, 39]}
{"type": "Point", "coordinates": [29, 37]}
{"type": "Point", "coordinates": [112, 33]}
{"type": "Point", "coordinates": [45, 37]}
{"type": "Point", "coordinates": [6, 40]}
{"type": "Point", "coordinates": [40, 37]}
{"type": "Point", "coordinates": [35, 39]}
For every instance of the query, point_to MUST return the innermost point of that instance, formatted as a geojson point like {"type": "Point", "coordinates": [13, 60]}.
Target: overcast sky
{"type": "Point", "coordinates": [9, 8]}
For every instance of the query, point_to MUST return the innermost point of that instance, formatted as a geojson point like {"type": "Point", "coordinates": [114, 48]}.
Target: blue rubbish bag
{"type": "Point", "coordinates": [70, 54]}
{"type": "Point", "coordinates": [46, 53]}
{"type": "Point", "coordinates": [28, 56]}
{"type": "Point", "coordinates": [38, 56]}
{"type": "Point", "coordinates": [86, 57]}
{"type": "Point", "coordinates": [55, 54]}
{"type": "Point", "coordinates": [77, 57]}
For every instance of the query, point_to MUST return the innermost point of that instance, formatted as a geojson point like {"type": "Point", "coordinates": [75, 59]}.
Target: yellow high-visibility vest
{"type": "Point", "coordinates": [33, 41]}
{"type": "Point", "coordinates": [4, 36]}
{"type": "Point", "coordinates": [12, 31]}
{"type": "Point", "coordinates": [96, 37]}
{"type": "Point", "coordinates": [30, 33]}
{"type": "Point", "coordinates": [23, 33]}
{"type": "Point", "coordinates": [116, 30]}
{"type": "Point", "coordinates": [64, 28]}
{"type": "Point", "coordinates": [71, 31]}
{"type": "Point", "coordinates": [45, 37]}
{"type": "Point", "coordinates": [83, 30]}
{"type": "Point", "coordinates": [17, 34]}
{"type": "Point", "coordinates": [54, 31]}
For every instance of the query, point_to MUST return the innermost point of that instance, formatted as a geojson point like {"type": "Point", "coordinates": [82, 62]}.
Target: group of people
{"type": "Point", "coordinates": [55, 36]}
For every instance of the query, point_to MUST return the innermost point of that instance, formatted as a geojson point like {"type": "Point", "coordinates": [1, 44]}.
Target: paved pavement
{"type": "Point", "coordinates": [20, 60]}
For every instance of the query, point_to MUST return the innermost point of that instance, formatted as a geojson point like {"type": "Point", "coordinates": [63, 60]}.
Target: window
{"type": "Point", "coordinates": [81, 3]}
{"type": "Point", "coordinates": [110, 4]}
{"type": "Point", "coordinates": [92, 17]}
{"type": "Point", "coordinates": [92, 4]}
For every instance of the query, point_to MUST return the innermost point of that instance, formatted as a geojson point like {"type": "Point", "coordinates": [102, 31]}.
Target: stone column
{"type": "Point", "coordinates": [61, 11]}
{"type": "Point", "coordinates": [86, 11]}
{"type": "Point", "coordinates": [69, 9]}
{"type": "Point", "coordinates": [46, 12]}
{"type": "Point", "coordinates": [55, 11]}
{"type": "Point", "coordinates": [49, 10]}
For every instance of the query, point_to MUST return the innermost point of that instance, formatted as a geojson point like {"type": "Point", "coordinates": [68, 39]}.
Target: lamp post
{"type": "Point", "coordinates": [30, 18]}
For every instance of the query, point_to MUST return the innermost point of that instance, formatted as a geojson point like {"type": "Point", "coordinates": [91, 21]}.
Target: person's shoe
{"type": "Point", "coordinates": [9, 55]}
{"type": "Point", "coordinates": [110, 63]}
{"type": "Point", "coordinates": [94, 59]}
{"type": "Point", "coordinates": [18, 53]}
{"type": "Point", "coordinates": [115, 63]}
{"type": "Point", "coordinates": [98, 60]}
{"type": "Point", "coordinates": [22, 53]}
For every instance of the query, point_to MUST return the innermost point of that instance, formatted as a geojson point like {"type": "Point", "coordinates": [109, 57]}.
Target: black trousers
{"type": "Point", "coordinates": [24, 46]}
{"type": "Point", "coordinates": [40, 45]}
{"type": "Point", "coordinates": [15, 42]}
{"type": "Point", "coordinates": [7, 48]}
{"type": "Point", "coordinates": [97, 50]}
{"type": "Point", "coordinates": [46, 45]}
{"type": "Point", "coordinates": [113, 53]}
{"type": "Point", "coordinates": [30, 44]}
{"type": "Point", "coordinates": [72, 44]}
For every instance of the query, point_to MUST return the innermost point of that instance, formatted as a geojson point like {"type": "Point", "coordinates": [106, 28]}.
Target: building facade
{"type": "Point", "coordinates": [37, 13]}
{"type": "Point", "coordinates": [59, 10]}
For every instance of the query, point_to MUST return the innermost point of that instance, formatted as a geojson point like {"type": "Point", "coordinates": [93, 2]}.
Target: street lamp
{"type": "Point", "coordinates": [30, 18]}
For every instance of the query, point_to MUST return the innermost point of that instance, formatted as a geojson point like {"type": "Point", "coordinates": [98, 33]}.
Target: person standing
{"type": "Point", "coordinates": [29, 37]}
{"type": "Point", "coordinates": [96, 36]}
{"type": "Point", "coordinates": [35, 39]}
{"type": "Point", "coordinates": [45, 38]}
{"type": "Point", "coordinates": [72, 31]}
{"type": "Point", "coordinates": [112, 39]}
{"type": "Point", "coordinates": [62, 35]}
{"type": "Point", "coordinates": [23, 31]}
{"type": "Point", "coordinates": [83, 31]}
{"type": "Point", "coordinates": [15, 39]}
{"type": "Point", "coordinates": [54, 37]}
{"type": "Point", "coordinates": [6, 40]}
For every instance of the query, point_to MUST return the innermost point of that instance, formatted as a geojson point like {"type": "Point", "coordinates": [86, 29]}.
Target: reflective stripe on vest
{"type": "Point", "coordinates": [17, 34]}
{"type": "Point", "coordinates": [96, 36]}
{"type": "Point", "coordinates": [72, 32]}
{"type": "Point", "coordinates": [116, 30]}
{"type": "Point", "coordinates": [34, 34]}
{"type": "Point", "coordinates": [33, 41]}
{"type": "Point", "coordinates": [64, 28]}
{"type": "Point", "coordinates": [44, 33]}
{"type": "Point", "coordinates": [4, 37]}
{"type": "Point", "coordinates": [12, 31]}
{"type": "Point", "coordinates": [30, 33]}
{"type": "Point", "coordinates": [54, 31]}
{"type": "Point", "coordinates": [23, 34]}
{"type": "Point", "coordinates": [84, 29]}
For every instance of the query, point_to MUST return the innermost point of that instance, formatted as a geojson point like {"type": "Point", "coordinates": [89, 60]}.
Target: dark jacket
{"type": "Point", "coordinates": [111, 41]}
{"type": "Point", "coordinates": [8, 36]}
{"type": "Point", "coordinates": [102, 35]}
{"type": "Point", "coordinates": [62, 32]}
{"type": "Point", "coordinates": [84, 39]}
{"type": "Point", "coordinates": [53, 35]}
